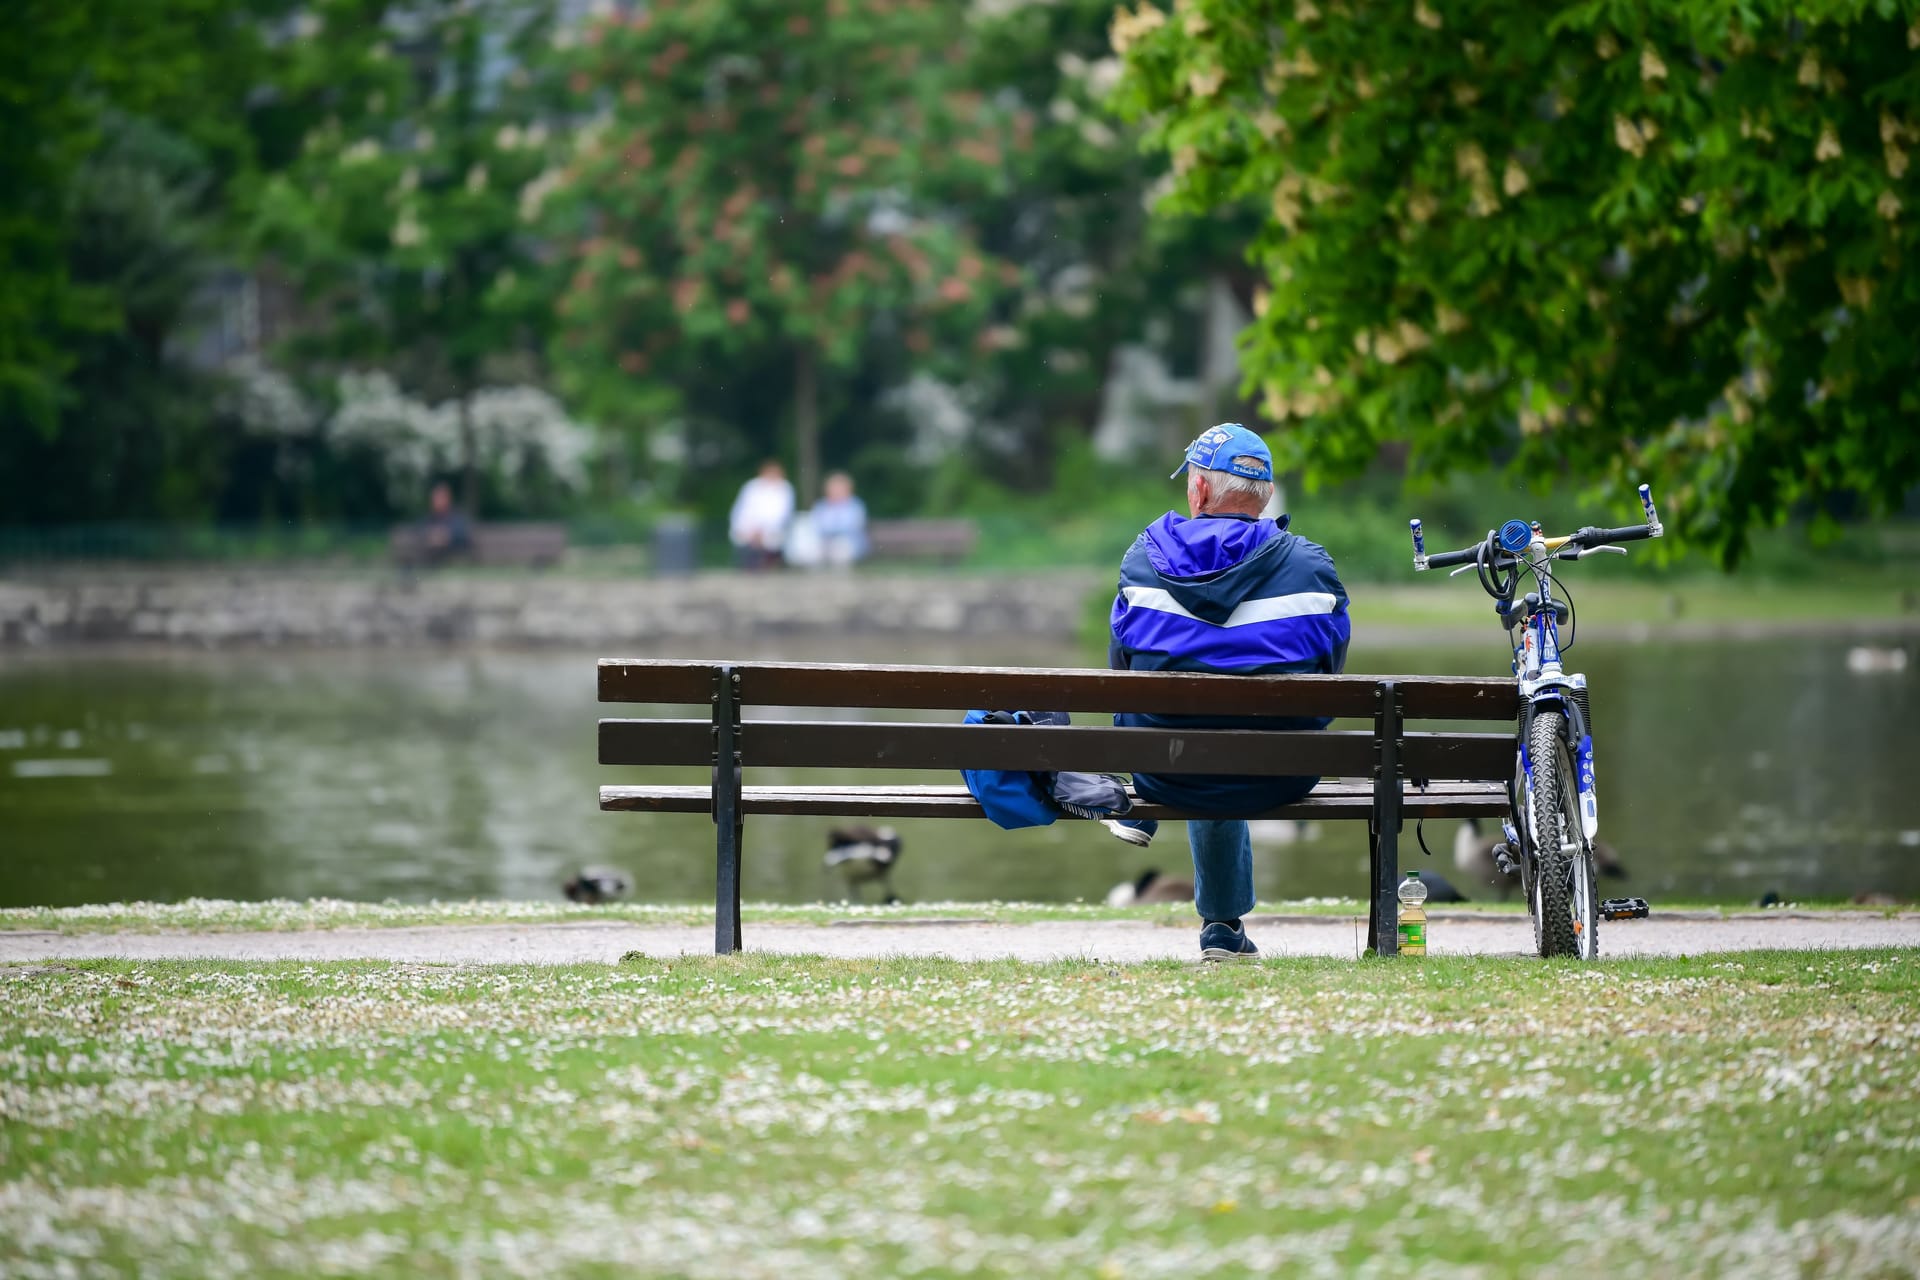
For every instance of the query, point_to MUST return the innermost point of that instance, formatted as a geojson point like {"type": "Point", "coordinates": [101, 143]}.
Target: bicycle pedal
{"type": "Point", "coordinates": [1504, 859]}
{"type": "Point", "coordinates": [1624, 909]}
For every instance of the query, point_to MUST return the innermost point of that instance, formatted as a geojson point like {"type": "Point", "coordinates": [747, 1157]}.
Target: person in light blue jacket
{"type": "Point", "coordinates": [840, 522]}
{"type": "Point", "coordinates": [1224, 591]}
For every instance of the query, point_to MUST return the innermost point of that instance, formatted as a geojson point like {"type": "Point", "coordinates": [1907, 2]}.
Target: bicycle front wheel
{"type": "Point", "coordinates": [1566, 906]}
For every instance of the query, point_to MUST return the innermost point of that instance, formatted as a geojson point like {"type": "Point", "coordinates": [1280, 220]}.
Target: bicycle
{"type": "Point", "coordinates": [1548, 835]}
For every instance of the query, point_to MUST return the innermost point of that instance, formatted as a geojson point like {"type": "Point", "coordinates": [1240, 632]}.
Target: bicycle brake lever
{"type": "Point", "coordinates": [1589, 551]}
{"type": "Point", "coordinates": [1462, 569]}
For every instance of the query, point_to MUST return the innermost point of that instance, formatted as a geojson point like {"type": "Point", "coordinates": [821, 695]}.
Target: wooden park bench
{"type": "Point", "coordinates": [947, 541]}
{"type": "Point", "coordinates": [525, 544]}
{"type": "Point", "coordinates": [1383, 774]}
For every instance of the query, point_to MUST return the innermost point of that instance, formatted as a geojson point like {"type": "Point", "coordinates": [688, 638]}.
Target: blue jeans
{"type": "Point", "coordinates": [1222, 865]}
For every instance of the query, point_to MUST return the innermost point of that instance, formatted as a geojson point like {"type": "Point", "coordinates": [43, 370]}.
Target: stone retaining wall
{"type": "Point", "coordinates": [220, 609]}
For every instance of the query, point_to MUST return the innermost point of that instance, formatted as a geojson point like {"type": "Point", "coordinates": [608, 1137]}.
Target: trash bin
{"type": "Point", "coordinates": [676, 544]}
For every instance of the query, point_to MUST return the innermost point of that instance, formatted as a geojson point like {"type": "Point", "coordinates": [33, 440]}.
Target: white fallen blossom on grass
{"type": "Point", "coordinates": [792, 1116]}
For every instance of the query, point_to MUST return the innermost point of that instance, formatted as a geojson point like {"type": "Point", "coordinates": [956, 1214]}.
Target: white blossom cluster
{"type": "Point", "coordinates": [266, 402]}
{"type": "Point", "coordinates": [516, 429]}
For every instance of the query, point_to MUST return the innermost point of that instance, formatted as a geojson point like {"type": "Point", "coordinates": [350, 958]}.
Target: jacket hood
{"type": "Point", "coordinates": [1202, 560]}
{"type": "Point", "coordinates": [1191, 549]}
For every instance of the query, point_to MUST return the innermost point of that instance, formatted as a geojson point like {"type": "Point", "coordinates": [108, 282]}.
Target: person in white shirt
{"type": "Point", "coordinates": [761, 514]}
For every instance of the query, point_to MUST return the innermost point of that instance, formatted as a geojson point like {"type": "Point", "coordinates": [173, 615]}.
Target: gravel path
{"type": "Point", "coordinates": [1103, 940]}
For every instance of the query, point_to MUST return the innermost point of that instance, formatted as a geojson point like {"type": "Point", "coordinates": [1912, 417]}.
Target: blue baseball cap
{"type": "Point", "coordinates": [1229, 447]}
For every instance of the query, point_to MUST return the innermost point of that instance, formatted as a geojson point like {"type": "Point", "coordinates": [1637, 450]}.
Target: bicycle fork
{"type": "Point", "coordinates": [1568, 700]}
{"type": "Point", "coordinates": [1583, 774]}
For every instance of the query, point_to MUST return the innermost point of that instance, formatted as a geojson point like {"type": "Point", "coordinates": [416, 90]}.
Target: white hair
{"type": "Point", "coordinates": [1227, 482]}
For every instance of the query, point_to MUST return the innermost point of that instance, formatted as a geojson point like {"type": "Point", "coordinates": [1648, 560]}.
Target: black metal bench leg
{"type": "Point", "coordinates": [726, 906]}
{"type": "Point", "coordinates": [728, 820]}
{"type": "Point", "coordinates": [1373, 878]}
{"type": "Point", "coordinates": [1383, 932]}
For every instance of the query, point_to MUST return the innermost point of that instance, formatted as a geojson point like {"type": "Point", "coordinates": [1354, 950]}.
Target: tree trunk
{"type": "Point", "coordinates": [469, 464]}
{"type": "Point", "coordinates": [806, 424]}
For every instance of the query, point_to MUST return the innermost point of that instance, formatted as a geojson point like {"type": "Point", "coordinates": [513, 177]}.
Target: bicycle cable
{"type": "Point", "coordinates": [1573, 617]}
{"type": "Point", "coordinates": [1498, 583]}
{"type": "Point", "coordinates": [1573, 625]}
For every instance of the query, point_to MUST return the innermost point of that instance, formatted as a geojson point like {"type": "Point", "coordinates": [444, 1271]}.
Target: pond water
{"type": "Point", "coordinates": [1726, 770]}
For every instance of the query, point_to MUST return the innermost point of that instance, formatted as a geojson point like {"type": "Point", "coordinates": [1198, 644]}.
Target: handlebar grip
{"type": "Point", "coordinates": [1626, 533]}
{"type": "Point", "coordinates": [1447, 559]}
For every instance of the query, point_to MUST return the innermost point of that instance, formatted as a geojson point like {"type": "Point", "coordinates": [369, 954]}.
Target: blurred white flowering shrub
{"type": "Point", "coordinates": [522, 427]}
{"type": "Point", "coordinates": [520, 434]}
{"type": "Point", "coordinates": [265, 402]}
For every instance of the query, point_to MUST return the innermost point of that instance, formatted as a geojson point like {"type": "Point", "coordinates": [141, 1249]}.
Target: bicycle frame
{"type": "Point", "coordinates": [1545, 684]}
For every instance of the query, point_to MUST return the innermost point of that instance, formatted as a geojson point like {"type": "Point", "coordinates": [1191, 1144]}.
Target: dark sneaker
{"type": "Point", "coordinates": [1133, 830]}
{"type": "Point", "coordinates": [1226, 940]}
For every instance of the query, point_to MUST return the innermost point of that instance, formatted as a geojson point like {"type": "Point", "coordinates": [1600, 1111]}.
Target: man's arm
{"type": "Point", "coordinates": [1119, 658]}
{"type": "Point", "coordinates": [1342, 614]}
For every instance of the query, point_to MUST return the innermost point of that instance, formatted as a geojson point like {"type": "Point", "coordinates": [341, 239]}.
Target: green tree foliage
{"type": "Point", "coordinates": [135, 437]}
{"type": "Point", "coordinates": [405, 214]}
{"type": "Point", "coordinates": [73, 72]}
{"type": "Point", "coordinates": [43, 133]}
{"type": "Point", "coordinates": [749, 218]}
{"type": "Point", "coordinates": [1671, 239]}
{"type": "Point", "coordinates": [126, 129]}
{"type": "Point", "coordinates": [1096, 272]}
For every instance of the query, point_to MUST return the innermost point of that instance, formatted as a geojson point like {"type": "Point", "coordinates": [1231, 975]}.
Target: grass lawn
{"type": "Point", "coordinates": [1751, 1115]}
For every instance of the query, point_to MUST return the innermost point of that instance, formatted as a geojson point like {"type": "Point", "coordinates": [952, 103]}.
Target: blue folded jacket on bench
{"type": "Point", "coordinates": [1015, 798]}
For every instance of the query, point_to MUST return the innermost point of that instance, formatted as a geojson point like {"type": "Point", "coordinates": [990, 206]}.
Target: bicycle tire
{"type": "Point", "coordinates": [1565, 921]}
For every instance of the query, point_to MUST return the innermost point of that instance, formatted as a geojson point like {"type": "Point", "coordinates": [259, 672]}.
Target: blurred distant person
{"type": "Point", "coordinates": [840, 523]}
{"type": "Point", "coordinates": [761, 514]}
{"type": "Point", "coordinates": [444, 533]}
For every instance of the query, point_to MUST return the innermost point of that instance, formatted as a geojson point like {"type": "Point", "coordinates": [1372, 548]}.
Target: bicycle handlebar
{"type": "Point", "coordinates": [1447, 559]}
{"type": "Point", "coordinates": [1499, 558]}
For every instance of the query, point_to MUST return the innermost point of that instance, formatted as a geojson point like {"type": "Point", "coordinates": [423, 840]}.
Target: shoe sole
{"type": "Point", "coordinates": [1129, 834]}
{"type": "Point", "coordinates": [1217, 955]}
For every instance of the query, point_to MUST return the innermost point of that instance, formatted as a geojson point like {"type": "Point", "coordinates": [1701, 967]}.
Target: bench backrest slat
{"type": "Point", "coordinates": [843, 745]}
{"type": "Point", "coordinates": [823, 684]}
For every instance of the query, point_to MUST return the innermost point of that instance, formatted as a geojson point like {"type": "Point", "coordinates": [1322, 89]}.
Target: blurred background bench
{"type": "Point", "coordinates": [529, 544]}
{"type": "Point", "coordinates": [944, 541]}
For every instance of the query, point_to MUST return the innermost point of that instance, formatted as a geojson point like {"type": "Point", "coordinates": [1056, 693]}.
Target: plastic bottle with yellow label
{"type": "Point", "coordinates": [1413, 915]}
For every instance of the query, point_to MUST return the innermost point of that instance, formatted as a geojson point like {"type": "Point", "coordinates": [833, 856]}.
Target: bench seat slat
{"type": "Point", "coordinates": [867, 745]}
{"type": "Point", "coordinates": [1329, 800]}
{"type": "Point", "coordinates": [830, 684]}
{"type": "Point", "coordinates": [1328, 786]}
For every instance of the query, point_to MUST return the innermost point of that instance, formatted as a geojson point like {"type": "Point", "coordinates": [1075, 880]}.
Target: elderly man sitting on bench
{"type": "Point", "coordinates": [1229, 592]}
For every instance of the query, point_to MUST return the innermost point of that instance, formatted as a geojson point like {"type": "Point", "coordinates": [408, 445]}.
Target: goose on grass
{"type": "Point", "coordinates": [1473, 858]}
{"type": "Point", "coordinates": [864, 856]}
{"type": "Point", "coordinates": [1150, 886]}
{"type": "Point", "coordinates": [595, 885]}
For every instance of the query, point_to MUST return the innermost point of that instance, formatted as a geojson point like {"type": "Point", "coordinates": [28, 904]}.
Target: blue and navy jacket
{"type": "Point", "coordinates": [1227, 594]}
